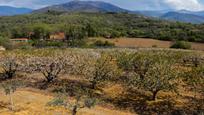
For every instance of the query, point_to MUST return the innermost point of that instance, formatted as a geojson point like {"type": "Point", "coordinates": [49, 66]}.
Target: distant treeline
{"type": "Point", "coordinates": [111, 25]}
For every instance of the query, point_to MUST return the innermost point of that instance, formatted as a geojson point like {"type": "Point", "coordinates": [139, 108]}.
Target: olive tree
{"type": "Point", "coordinates": [160, 76]}
{"type": "Point", "coordinates": [9, 88]}
{"type": "Point", "coordinates": [74, 105]}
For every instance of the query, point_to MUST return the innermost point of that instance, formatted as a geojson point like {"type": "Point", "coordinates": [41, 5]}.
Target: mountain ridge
{"type": "Point", "coordinates": [195, 17]}
{"type": "Point", "coordinates": [183, 17]}
{"type": "Point", "coordinates": [83, 6]}
{"type": "Point", "coordinates": [9, 11]}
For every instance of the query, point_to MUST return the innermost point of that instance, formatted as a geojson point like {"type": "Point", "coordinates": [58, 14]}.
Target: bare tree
{"type": "Point", "coordinates": [193, 59]}
{"type": "Point", "coordinates": [50, 67]}
{"type": "Point", "coordinates": [10, 66]}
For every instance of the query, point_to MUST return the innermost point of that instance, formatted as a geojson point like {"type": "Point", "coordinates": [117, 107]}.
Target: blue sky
{"type": "Point", "coordinates": [194, 5]}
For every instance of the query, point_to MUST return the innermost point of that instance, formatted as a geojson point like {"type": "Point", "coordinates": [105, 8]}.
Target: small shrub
{"type": "Point", "coordinates": [181, 45]}
{"type": "Point", "coordinates": [5, 42]}
{"type": "Point", "coordinates": [54, 44]}
{"type": "Point", "coordinates": [154, 46]}
{"type": "Point", "coordinates": [77, 43]}
{"type": "Point", "coordinates": [73, 105]}
{"type": "Point", "coordinates": [56, 102]}
{"type": "Point", "coordinates": [100, 43]}
{"type": "Point", "coordinates": [10, 88]}
{"type": "Point", "coordinates": [38, 43]}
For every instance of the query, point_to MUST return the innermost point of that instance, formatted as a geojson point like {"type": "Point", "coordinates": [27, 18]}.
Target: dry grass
{"type": "Point", "coordinates": [32, 102]}
{"type": "Point", "coordinates": [147, 43]}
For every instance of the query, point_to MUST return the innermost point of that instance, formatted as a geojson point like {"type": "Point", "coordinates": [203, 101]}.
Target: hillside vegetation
{"type": "Point", "coordinates": [111, 25]}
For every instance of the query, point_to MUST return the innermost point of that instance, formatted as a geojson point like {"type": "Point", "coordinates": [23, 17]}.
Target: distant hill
{"type": "Point", "coordinates": [198, 13]}
{"type": "Point", "coordinates": [83, 6]}
{"type": "Point", "coordinates": [152, 13]}
{"type": "Point", "coordinates": [99, 6]}
{"type": "Point", "coordinates": [195, 17]}
{"type": "Point", "coordinates": [183, 17]}
{"type": "Point", "coordinates": [9, 11]}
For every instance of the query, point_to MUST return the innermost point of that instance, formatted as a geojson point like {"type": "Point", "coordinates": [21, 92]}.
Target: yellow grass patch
{"type": "Point", "coordinates": [30, 102]}
{"type": "Point", "coordinates": [146, 43]}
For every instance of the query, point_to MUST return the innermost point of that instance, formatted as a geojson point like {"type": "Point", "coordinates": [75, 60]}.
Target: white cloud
{"type": "Point", "coordinates": [194, 5]}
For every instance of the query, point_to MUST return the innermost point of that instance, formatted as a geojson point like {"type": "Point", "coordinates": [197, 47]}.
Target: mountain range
{"type": "Point", "coordinates": [183, 17]}
{"type": "Point", "coordinates": [9, 11]}
{"type": "Point", "coordinates": [173, 15]}
{"type": "Point", "coordinates": [83, 6]}
{"type": "Point", "coordinates": [98, 6]}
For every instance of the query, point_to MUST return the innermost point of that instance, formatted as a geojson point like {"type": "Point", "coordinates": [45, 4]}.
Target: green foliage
{"type": "Point", "coordinates": [5, 42]}
{"type": "Point", "coordinates": [148, 70]}
{"type": "Point", "coordinates": [90, 102]}
{"type": "Point", "coordinates": [100, 43]}
{"type": "Point", "coordinates": [181, 45]}
{"type": "Point", "coordinates": [73, 105]}
{"type": "Point", "coordinates": [9, 88]}
{"type": "Point", "coordinates": [195, 77]}
{"type": "Point", "coordinates": [40, 43]}
{"type": "Point", "coordinates": [103, 69]}
{"type": "Point", "coordinates": [57, 102]}
{"type": "Point", "coordinates": [77, 43]}
{"type": "Point", "coordinates": [75, 32]}
{"type": "Point", "coordinates": [124, 60]}
{"type": "Point", "coordinates": [82, 25]}
{"type": "Point", "coordinates": [41, 31]}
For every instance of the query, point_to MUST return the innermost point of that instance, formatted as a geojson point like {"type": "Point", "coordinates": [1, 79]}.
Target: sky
{"type": "Point", "coordinates": [193, 5]}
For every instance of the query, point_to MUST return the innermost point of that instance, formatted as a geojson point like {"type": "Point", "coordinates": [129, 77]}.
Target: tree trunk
{"type": "Point", "coordinates": [74, 111]}
{"type": "Point", "coordinates": [50, 78]}
{"type": "Point", "coordinates": [9, 75]}
{"type": "Point", "coordinates": [11, 102]}
{"type": "Point", "coordinates": [154, 96]}
{"type": "Point", "coordinates": [93, 85]}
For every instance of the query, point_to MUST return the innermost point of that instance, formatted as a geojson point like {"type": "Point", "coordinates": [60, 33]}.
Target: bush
{"type": "Point", "coordinates": [5, 42]}
{"type": "Point", "coordinates": [38, 43]}
{"type": "Point", "coordinates": [100, 43]}
{"type": "Point", "coordinates": [181, 45]}
{"type": "Point", "coordinates": [77, 43]}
